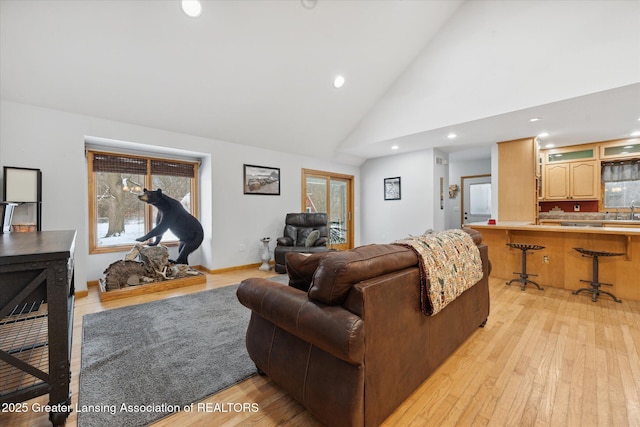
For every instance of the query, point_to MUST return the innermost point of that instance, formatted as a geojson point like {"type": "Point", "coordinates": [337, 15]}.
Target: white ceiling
{"type": "Point", "coordinates": [260, 72]}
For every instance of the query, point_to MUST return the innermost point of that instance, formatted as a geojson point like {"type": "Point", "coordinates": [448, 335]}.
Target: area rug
{"type": "Point", "coordinates": [141, 363]}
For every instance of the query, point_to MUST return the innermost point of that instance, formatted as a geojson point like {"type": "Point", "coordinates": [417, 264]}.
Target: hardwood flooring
{"type": "Point", "coordinates": [545, 358]}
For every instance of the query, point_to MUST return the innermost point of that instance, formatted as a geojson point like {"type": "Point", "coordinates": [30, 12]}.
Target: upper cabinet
{"type": "Point", "coordinates": [620, 149]}
{"type": "Point", "coordinates": [571, 173]}
{"type": "Point", "coordinates": [577, 180]}
{"type": "Point", "coordinates": [558, 155]}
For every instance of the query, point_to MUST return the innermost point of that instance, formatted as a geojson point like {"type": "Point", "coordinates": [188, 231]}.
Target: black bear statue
{"type": "Point", "coordinates": [173, 216]}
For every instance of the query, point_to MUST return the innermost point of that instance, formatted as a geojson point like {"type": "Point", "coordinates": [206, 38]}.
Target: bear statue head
{"type": "Point", "coordinates": [151, 196]}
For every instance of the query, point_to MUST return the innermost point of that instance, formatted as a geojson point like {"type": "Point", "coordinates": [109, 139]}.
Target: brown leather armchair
{"type": "Point", "coordinates": [303, 233]}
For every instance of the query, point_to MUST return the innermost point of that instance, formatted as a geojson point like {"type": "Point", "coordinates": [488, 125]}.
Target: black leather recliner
{"type": "Point", "coordinates": [303, 233]}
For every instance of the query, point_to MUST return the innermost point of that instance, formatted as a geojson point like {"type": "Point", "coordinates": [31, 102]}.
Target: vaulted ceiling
{"type": "Point", "coordinates": [260, 72]}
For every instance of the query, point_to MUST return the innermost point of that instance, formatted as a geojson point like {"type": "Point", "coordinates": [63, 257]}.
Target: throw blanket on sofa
{"type": "Point", "coordinates": [449, 265]}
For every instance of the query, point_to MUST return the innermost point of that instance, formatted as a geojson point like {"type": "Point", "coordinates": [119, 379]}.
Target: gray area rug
{"type": "Point", "coordinates": [141, 363]}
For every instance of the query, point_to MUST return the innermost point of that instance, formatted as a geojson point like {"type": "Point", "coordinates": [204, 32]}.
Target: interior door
{"type": "Point", "coordinates": [333, 194]}
{"type": "Point", "coordinates": [476, 198]}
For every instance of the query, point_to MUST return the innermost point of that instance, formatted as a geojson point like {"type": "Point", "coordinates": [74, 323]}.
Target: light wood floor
{"type": "Point", "coordinates": [545, 358]}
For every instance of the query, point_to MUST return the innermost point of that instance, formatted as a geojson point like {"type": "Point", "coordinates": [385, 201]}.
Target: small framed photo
{"type": "Point", "coordinates": [261, 180]}
{"type": "Point", "coordinates": [392, 188]}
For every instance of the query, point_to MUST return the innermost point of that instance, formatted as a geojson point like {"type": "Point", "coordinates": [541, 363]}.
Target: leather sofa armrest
{"type": "Point", "coordinates": [285, 241]}
{"type": "Point", "coordinates": [331, 328]}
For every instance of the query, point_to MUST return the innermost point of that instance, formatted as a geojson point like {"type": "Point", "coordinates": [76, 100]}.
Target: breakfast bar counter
{"type": "Point", "coordinates": [558, 265]}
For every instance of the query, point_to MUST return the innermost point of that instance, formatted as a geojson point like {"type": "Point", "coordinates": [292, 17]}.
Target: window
{"type": "Point", "coordinates": [480, 199]}
{"type": "Point", "coordinates": [116, 216]}
{"type": "Point", "coordinates": [331, 193]}
{"type": "Point", "coordinates": [621, 182]}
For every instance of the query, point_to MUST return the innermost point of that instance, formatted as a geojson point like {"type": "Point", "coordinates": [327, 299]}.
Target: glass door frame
{"type": "Point", "coordinates": [349, 197]}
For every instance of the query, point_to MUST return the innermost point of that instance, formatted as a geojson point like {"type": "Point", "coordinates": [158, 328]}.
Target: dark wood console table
{"type": "Point", "coordinates": [36, 318]}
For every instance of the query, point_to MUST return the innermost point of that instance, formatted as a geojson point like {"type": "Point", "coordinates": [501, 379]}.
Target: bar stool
{"type": "Point", "coordinates": [524, 277]}
{"type": "Point", "coordinates": [595, 284]}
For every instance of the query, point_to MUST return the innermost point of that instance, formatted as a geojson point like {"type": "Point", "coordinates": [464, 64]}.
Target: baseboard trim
{"type": "Point", "coordinates": [228, 269]}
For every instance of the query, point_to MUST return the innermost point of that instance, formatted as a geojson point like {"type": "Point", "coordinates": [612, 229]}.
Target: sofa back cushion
{"type": "Point", "coordinates": [337, 272]}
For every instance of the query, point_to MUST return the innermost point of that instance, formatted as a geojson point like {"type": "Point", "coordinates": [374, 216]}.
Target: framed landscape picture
{"type": "Point", "coordinates": [392, 188]}
{"type": "Point", "coordinates": [261, 180]}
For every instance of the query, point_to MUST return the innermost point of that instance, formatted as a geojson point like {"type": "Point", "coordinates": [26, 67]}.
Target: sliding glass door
{"type": "Point", "coordinates": [331, 193]}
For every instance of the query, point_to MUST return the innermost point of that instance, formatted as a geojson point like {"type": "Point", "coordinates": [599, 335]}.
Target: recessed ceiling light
{"type": "Point", "coordinates": [452, 135]}
{"type": "Point", "coordinates": [338, 82]}
{"type": "Point", "coordinates": [192, 8]}
{"type": "Point", "coordinates": [636, 133]}
{"type": "Point", "coordinates": [543, 135]}
{"type": "Point", "coordinates": [535, 119]}
{"type": "Point", "coordinates": [309, 4]}
{"type": "Point", "coordinates": [395, 147]}
{"type": "Point", "coordinates": [550, 145]}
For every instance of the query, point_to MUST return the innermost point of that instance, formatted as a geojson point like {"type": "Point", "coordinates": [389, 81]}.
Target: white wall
{"type": "Point", "coordinates": [54, 141]}
{"type": "Point", "coordinates": [418, 210]}
{"type": "Point", "coordinates": [458, 169]}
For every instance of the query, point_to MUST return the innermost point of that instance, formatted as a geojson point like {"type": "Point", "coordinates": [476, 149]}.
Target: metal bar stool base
{"type": "Point", "coordinates": [595, 284]}
{"type": "Point", "coordinates": [595, 292]}
{"type": "Point", "coordinates": [524, 281]}
{"type": "Point", "coordinates": [524, 277]}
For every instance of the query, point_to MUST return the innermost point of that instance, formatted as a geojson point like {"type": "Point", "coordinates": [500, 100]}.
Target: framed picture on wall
{"type": "Point", "coordinates": [261, 180]}
{"type": "Point", "coordinates": [392, 188]}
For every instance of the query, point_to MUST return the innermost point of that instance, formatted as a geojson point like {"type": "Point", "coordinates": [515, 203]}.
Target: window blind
{"type": "Point", "coordinates": [136, 165]}
{"type": "Point", "coordinates": [169, 168]}
{"type": "Point", "coordinates": [110, 163]}
{"type": "Point", "coordinates": [621, 171]}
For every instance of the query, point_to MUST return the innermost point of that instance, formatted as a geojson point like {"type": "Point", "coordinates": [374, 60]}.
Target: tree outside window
{"type": "Point", "coordinates": [117, 216]}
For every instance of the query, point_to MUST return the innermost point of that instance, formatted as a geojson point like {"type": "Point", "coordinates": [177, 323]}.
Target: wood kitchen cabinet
{"type": "Point", "coordinates": [579, 180]}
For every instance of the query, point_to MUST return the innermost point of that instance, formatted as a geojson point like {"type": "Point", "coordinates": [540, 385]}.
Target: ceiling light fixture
{"type": "Point", "coordinates": [395, 147]}
{"type": "Point", "coordinates": [452, 135]}
{"type": "Point", "coordinates": [338, 82]}
{"type": "Point", "coordinates": [192, 8]}
{"type": "Point", "coordinates": [535, 119]}
{"type": "Point", "coordinates": [634, 134]}
{"type": "Point", "coordinates": [309, 4]}
{"type": "Point", "coordinates": [550, 145]}
{"type": "Point", "coordinates": [543, 135]}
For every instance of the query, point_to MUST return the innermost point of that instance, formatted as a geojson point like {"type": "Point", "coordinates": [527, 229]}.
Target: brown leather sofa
{"type": "Point", "coordinates": [356, 345]}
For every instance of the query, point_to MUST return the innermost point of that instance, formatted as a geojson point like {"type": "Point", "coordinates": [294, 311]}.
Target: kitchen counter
{"type": "Point", "coordinates": [558, 265]}
{"type": "Point", "coordinates": [602, 223]}
{"type": "Point", "coordinates": [608, 228]}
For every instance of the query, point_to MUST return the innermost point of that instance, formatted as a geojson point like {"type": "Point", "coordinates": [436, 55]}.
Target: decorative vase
{"type": "Point", "coordinates": [266, 256]}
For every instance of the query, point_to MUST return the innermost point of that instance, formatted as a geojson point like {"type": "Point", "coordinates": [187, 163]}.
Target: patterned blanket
{"type": "Point", "coordinates": [449, 265]}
